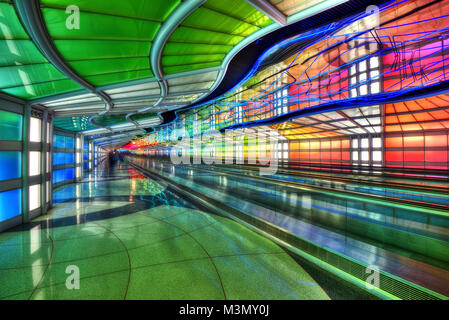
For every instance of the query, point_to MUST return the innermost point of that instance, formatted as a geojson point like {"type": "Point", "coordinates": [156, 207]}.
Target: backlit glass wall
{"type": "Point", "coordinates": [64, 158]}
{"type": "Point", "coordinates": [24, 170]}
{"type": "Point", "coordinates": [88, 153]}
{"type": "Point", "coordinates": [10, 165]}
{"type": "Point", "coordinates": [351, 73]}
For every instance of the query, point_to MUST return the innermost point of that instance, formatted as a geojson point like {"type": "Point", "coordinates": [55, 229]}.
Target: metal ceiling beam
{"type": "Point", "coordinates": [59, 96]}
{"type": "Point", "coordinates": [30, 14]}
{"type": "Point", "coordinates": [173, 21]}
{"type": "Point", "coordinates": [10, 98]}
{"type": "Point", "coordinates": [269, 10]}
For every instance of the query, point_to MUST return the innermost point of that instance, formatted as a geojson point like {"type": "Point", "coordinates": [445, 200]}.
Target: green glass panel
{"type": "Point", "coordinates": [98, 26]}
{"type": "Point", "coordinates": [28, 74]}
{"type": "Point", "coordinates": [140, 116]}
{"type": "Point", "coordinates": [240, 10]}
{"type": "Point", "coordinates": [157, 10]}
{"type": "Point", "coordinates": [24, 71]}
{"type": "Point", "coordinates": [43, 89]}
{"type": "Point", "coordinates": [105, 79]}
{"type": "Point", "coordinates": [10, 126]}
{"type": "Point", "coordinates": [189, 67]}
{"type": "Point", "coordinates": [10, 25]}
{"type": "Point", "coordinates": [94, 67]}
{"type": "Point", "coordinates": [74, 123]}
{"type": "Point", "coordinates": [213, 29]}
{"type": "Point", "coordinates": [173, 48]}
{"type": "Point", "coordinates": [110, 119]}
{"type": "Point", "coordinates": [211, 20]}
{"type": "Point", "coordinates": [91, 49]}
{"type": "Point", "coordinates": [180, 60]}
{"type": "Point", "coordinates": [17, 52]}
{"type": "Point", "coordinates": [189, 35]}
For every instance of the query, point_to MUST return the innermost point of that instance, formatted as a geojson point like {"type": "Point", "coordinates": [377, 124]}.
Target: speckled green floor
{"type": "Point", "coordinates": [131, 238]}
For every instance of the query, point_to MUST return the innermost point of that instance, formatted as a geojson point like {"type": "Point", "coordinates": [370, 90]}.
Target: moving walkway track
{"type": "Point", "coordinates": [396, 189]}
{"type": "Point", "coordinates": [350, 230]}
{"type": "Point", "coordinates": [434, 183]}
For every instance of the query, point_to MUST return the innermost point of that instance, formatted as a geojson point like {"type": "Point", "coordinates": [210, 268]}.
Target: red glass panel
{"type": "Point", "coordinates": [394, 156]}
{"type": "Point", "coordinates": [413, 156]}
{"type": "Point", "coordinates": [436, 156]}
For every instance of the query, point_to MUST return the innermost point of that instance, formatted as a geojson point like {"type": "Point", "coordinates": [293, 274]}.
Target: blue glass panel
{"type": "Point", "coordinates": [10, 204]}
{"type": "Point", "coordinates": [69, 158]}
{"type": "Point", "coordinates": [58, 176]}
{"type": "Point", "coordinates": [63, 174]}
{"type": "Point", "coordinates": [86, 165]}
{"type": "Point", "coordinates": [58, 158]}
{"type": "Point", "coordinates": [70, 142]}
{"type": "Point", "coordinates": [10, 165]}
{"type": "Point", "coordinates": [58, 141]}
{"type": "Point", "coordinates": [85, 156]}
{"type": "Point", "coordinates": [69, 174]}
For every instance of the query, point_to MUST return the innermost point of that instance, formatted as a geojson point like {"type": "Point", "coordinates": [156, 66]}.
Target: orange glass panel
{"type": "Point", "coordinates": [304, 155]}
{"type": "Point", "coordinates": [440, 114]}
{"type": "Point", "coordinates": [389, 108]}
{"type": "Point", "coordinates": [393, 142]}
{"type": "Point", "coordinates": [436, 141]}
{"type": "Point", "coordinates": [294, 155]}
{"type": "Point", "coordinates": [411, 127]}
{"type": "Point", "coordinates": [294, 146]}
{"type": "Point", "coordinates": [432, 126]}
{"type": "Point", "coordinates": [314, 156]}
{"type": "Point", "coordinates": [425, 116]}
{"type": "Point", "coordinates": [405, 118]}
{"type": "Point", "coordinates": [393, 128]}
{"type": "Point", "coordinates": [391, 119]}
{"type": "Point", "coordinates": [336, 155]}
{"type": "Point", "coordinates": [417, 141]}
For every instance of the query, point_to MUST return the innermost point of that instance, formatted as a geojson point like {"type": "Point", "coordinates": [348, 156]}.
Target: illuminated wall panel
{"type": "Point", "coordinates": [62, 175]}
{"type": "Point", "coordinates": [10, 204]}
{"type": "Point", "coordinates": [34, 194]}
{"type": "Point", "coordinates": [64, 155]}
{"type": "Point", "coordinates": [35, 130]}
{"type": "Point", "coordinates": [320, 151]}
{"type": "Point", "coordinates": [10, 165]}
{"type": "Point", "coordinates": [417, 150]}
{"type": "Point", "coordinates": [10, 126]}
{"type": "Point", "coordinates": [35, 163]}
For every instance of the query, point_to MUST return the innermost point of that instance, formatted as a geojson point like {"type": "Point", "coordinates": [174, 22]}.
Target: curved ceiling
{"type": "Point", "coordinates": [129, 60]}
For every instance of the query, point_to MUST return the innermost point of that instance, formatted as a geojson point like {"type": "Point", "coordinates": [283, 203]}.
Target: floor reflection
{"type": "Point", "coordinates": [133, 238]}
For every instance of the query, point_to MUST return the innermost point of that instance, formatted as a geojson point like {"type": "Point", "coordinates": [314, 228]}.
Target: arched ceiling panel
{"type": "Point", "coordinates": [205, 37]}
{"type": "Point", "coordinates": [110, 52]}
{"type": "Point", "coordinates": [113, 41]}
{"type": "Point", "coordinates": [24, 71]}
